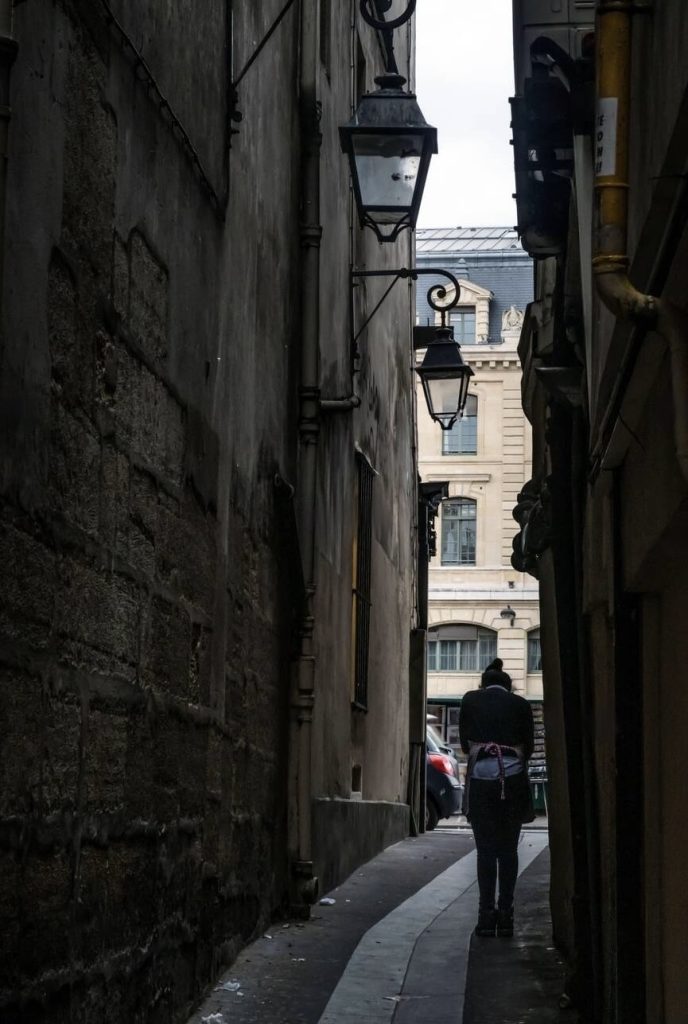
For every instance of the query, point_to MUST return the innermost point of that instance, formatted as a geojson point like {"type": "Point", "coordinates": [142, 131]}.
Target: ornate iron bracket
{"type": "Point", "coordinates": [435, 292]}
{"type": "Point", "coordinates": [368, 11]}
{"type": "Point", "coordinates": [372, 12]}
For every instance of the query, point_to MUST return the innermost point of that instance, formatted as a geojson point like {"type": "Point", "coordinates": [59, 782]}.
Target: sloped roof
{"type": "Point", "coordinates": [458, 239]}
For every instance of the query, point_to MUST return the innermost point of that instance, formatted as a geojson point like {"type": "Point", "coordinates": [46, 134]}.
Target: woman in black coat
{"type": "Point", "coordinates": [496, 732]}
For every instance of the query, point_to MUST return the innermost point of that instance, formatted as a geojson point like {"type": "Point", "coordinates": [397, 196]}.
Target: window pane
{"type": "Point", "coordinates": [487, 641]}
{"type": "Point", "coordinates": [463, 322]}
{"type": "Point", "coordinates": [534, 652]}
{"type": "Point", "coordinates": [432, 656]}
{"type": "Point", "coordinates": [462, 438]}
{"type": "Point", "coordinates": [448, 655]}
{"type": "Point", "coordinates": [467, 543]}
{"type": "Point", "coordinates": [469, 656]}
{"type": "Point", "coordinates": [458, 532]}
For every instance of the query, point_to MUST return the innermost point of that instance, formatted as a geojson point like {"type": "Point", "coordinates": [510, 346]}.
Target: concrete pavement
{"type": "Point", "coordinates": [396, 947]}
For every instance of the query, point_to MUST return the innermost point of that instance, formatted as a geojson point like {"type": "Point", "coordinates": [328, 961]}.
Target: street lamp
{"type": "Point", "coordinates": [389, 145]}
{"type": "Point", "coordinates": [445, 378]}
{"type": "Point", "coordinates": [444, 375]}
{"type": "Point", "coordinates": [508, 613]}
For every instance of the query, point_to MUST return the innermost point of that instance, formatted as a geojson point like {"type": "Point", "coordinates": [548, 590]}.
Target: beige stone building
{"type": "Point", "coordinates": [479, 607]}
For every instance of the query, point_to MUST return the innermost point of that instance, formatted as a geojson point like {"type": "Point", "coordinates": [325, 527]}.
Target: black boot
{"type": "Point", "coordinates": [505, 922]}
{"type": "Point", "coordinates": [487, 922]}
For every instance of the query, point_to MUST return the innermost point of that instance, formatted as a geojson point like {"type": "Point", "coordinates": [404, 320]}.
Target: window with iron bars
{"type": "Point", "coordinates": [362, 580]}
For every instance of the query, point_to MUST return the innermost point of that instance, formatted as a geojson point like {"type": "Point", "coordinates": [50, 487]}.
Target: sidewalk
{"type": "Point", "coordinates": [396, 947]}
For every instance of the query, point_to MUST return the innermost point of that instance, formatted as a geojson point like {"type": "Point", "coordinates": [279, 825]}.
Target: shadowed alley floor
{"type": "Point", "coordinates": [396, 947]}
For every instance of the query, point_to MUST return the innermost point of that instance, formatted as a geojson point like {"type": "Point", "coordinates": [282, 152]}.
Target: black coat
{"type": "Point", "coordinates": [496, 715]}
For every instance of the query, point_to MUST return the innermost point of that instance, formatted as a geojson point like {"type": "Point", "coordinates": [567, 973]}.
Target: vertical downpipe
{"type": "Point", "coordinates": [8, 52]}
{"type": "Point", "coordinates": [613, 68]}
{"type": "Point", "coordinates": [304, 885]}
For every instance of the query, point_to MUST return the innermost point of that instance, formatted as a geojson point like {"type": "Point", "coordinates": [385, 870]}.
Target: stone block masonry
{"type": "Point", "coordinates": [143, 652]}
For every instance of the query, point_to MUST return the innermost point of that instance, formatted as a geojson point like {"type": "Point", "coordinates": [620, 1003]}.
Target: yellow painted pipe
{"type": "Point", "coordinates": [610, 261]}
{"type": "Point", "coordinates": [613, 67]}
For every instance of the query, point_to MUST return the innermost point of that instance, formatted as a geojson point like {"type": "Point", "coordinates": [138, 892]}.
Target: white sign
{"type": "Point", "coordinates": [605, 136]}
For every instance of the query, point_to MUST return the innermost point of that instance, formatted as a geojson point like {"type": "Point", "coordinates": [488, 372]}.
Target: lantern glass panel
{"type": "Point", "coordinates": [387, 168]}
{"type": "Point", "coordinates": [445, 394]}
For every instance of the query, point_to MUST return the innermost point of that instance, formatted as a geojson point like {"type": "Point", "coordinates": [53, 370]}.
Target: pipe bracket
{"type": "Point", "coordinates": [340, 404]}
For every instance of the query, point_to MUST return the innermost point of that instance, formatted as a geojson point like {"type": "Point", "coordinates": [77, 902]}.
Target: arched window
{"type": "Point", "coordinates": [460, 648]}
{"type": "Point", "coordinates": [534, 652]}
{"type": "Point", "coordinates": [462, 438]}
{"type": "Point", "coordinates": [458, 532]}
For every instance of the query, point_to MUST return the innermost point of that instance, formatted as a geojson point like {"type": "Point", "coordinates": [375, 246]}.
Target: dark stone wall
{"type": "Point", "coordinates": [349, 832]}
{"type": "Point", "coordinates": [144, 623]}
{"type": "Point", "coordinates": [151, 575]}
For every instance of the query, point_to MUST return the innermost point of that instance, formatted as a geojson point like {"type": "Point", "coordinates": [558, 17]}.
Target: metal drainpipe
{"type": "Point", "coordinates": [304, 884]}
{"type": "Point", "coordinates": [8, 52]}
{"type": "Point", "coordinates": [610, 261]}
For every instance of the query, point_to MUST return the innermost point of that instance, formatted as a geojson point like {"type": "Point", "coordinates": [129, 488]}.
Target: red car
{"type": "Point", "coordinates": [443, 792]}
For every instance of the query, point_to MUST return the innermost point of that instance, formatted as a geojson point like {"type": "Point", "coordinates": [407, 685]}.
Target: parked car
{"type": "Point", "coordinates": [441, 745]}
{"type": "Point", "coordinates": [444, 793]}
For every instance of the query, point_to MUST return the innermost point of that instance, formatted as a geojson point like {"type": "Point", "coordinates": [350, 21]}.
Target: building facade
{"type": "Point", "coordinates": [479, 606]}
{"type": "Point", "coordinates": [601, 149]}
{"type": "Point", "coordinates": [191, 490]}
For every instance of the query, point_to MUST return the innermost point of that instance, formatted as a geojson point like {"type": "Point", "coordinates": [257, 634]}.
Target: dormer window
{"type": "Point", "coordinates": [463, 322]}
{"type": "Point", "coordinates": [471, 319]}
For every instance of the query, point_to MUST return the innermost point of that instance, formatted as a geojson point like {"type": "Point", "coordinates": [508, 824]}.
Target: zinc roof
{"type": "Point", "coordinates": [459, 239]}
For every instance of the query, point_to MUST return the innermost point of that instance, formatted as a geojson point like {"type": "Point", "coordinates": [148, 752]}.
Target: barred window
{"type": "Point", "coordinates": [462, 438]}
{"type": "Point", "coordinates": [461, 648]}
{"type": "Point", "coordinates": [458, 532]}
{"type": "Point", "coordinates": [362, 580]}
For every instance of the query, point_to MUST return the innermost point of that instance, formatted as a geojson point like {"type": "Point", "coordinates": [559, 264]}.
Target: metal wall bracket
{"type": "Point", "coordinates": [235, 114]}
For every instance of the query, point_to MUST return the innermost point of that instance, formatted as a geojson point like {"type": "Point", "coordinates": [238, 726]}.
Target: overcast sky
{"type": "Point", "coordinates": [464, 80]}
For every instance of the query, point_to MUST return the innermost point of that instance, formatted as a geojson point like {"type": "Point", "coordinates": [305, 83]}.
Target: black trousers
{"type": "Point", "coordinates": [496, 839]}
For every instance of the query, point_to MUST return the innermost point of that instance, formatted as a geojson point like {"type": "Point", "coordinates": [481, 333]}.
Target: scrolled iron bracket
{"type": "Point", "coordinates": [371, 11]}
{"type": "Point", "coordinates": [369, 15]}
{"type": "Point", "coordinates": [436, 293]}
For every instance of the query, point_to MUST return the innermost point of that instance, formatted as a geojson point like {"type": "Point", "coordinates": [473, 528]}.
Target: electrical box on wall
{"type": "Point", "coordinates": [566, 22]}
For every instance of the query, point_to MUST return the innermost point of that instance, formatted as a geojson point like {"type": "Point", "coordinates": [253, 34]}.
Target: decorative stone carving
{"type": "Point", "coordinates": [533, 513]}
{"type": "Point", "coordinates": [512, 322]}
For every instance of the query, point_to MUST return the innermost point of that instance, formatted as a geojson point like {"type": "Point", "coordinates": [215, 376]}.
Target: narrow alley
{"type": "Point", "coordinates": [343, 511]}
{"type": "Point", "coordinates": [395, 946]}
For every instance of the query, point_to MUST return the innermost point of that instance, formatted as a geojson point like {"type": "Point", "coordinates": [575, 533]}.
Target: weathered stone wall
{"type": "Point", "coordinates": [383, 429]}
{"type": "Point", "coordinates": [150, 567]}
{"type": "Point", "coordinates": [631, 591]}
{"type": "Point", "coordinates": [145, 623]}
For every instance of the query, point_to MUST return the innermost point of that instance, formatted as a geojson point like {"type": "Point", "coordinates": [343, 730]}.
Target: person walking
{"type": "Point", "coordinates": [496, 732]}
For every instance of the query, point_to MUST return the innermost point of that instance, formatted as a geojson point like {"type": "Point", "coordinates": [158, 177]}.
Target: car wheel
{"type": "Point", "coordinates": [431, 814]}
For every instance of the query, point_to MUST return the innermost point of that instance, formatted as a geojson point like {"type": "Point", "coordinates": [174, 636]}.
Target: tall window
{"type": "Point", "coordinates": [534, 652]}
{"type": "Point", "coordinates": [459, 648]}
{"type": "Point", "coordinates": [462, 439]}
{"type": "Point", "coordinates": [463, 322]}
{"type": "Point", "coordinates": [362, 580]}
{"type": "Point", "coordinates": [458, 532]}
